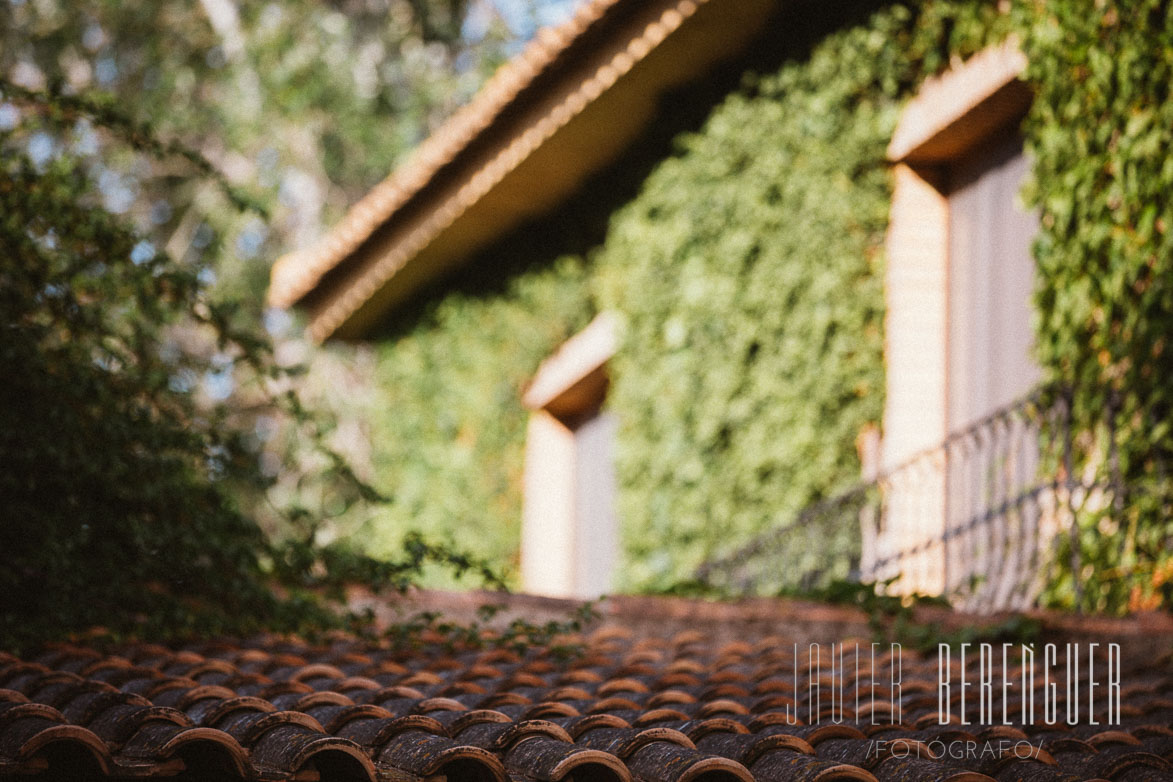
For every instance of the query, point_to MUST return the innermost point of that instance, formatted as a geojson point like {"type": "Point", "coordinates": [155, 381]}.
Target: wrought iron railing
{"type": "Point", "coordinates": [977, 518]}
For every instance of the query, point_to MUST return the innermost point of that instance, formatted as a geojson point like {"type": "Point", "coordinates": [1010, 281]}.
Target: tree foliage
{"type": "Point", "coordinates": [130, 465]}
{"type": "Point", "coordinates": [307, 103]}
{"type": "Point", "coordinates": [166, 474]}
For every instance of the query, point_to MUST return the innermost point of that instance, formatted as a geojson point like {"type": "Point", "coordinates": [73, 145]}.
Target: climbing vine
{"type": "Point", "coordinates": [132, 473]}
{"type": "Point", "coordinates": [747, 269]}
{"type": "Point", "coordinates": [1099, 134]}
{"type": "Point", "coordinates": [750, 272]}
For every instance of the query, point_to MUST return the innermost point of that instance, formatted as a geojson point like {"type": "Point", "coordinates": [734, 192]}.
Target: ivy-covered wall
{"type": "Point", "coordinates": [447, 425]}
{"type": "Point", "coordinates": [750, 269]}
{"type": "Point", "coordinates": [747, 264]}
{"type": "Point", "coordinates": [449, 432]}
{"type": "Point", "coordinates": [1101, 134]}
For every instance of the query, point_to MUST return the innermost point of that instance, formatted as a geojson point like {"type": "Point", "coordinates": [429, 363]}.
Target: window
{"type": "Point", "coordinates": [569, 532]}
{"type": "Point", "coordinates": [991, 275]}
{"type": "Point", "coordinates": [957, 291]}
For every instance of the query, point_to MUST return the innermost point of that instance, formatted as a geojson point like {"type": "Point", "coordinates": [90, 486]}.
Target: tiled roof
{"type": "Point", "coordinates": [297, 273]}
{"type": "Point", "coordinates": [654, 710]}
{"type": "Point", "coordinates": [562, 110]}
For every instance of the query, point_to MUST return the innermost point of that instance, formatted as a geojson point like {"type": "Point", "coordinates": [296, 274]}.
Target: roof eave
{"type": "Point", "coordinates": [574, 116]}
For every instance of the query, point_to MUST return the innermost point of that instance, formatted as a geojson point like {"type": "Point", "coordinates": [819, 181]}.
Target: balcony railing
{"type": "Point", "coordinates": [979, 518]}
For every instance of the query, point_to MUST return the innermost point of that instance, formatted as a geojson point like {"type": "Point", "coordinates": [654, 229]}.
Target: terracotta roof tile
{"type": "Point", "coordinates": [677, 711]}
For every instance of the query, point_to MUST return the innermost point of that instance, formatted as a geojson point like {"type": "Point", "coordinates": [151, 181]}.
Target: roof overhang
{"type": "Point", "coordinates": [565, 108]}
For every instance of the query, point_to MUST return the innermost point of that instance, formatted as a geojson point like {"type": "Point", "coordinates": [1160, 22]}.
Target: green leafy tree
{"type": "Point", "coordinates": [308, 103]}
{"type": "Point", "coordinates": [136, 440]}
{"type": "Point", "coordinates": [305, 104]}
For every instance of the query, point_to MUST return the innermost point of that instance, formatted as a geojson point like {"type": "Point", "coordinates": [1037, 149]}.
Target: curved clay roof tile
{"type": "Point", "coordinates": [374, 731]}
{"type": "Point", "coordinates": [666, 762]}
{"type": "Point", "coordinates": [660, 716]}
{"type": "Point", "coordinates": [554, 760]}
{"type": "Point", "coordinates": [786, 765]}
{"type": "Point", "coordinates": [426, 755]}
{"type": "Point", "coordinates": [118, 724]}
{"type": "Point", "coordinates": [349, 714]}
{"type": "Point", "coordinates": [199, 747]}
{"type": "Point", "coordinates": [12, 696]}
{"type": "Point", "coordinates": [550, 710]}
{"type": "Point", "coordinates": [56, 740]}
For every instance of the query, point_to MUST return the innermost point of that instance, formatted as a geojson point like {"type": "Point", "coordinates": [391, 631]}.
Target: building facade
{"type": "Point", "coordinates": [718, 260]}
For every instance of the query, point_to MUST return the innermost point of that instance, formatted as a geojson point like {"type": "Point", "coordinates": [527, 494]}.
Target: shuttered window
{"type": "Point", "coordinates": [991, 275]}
